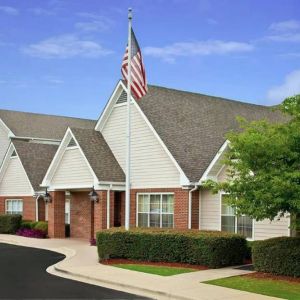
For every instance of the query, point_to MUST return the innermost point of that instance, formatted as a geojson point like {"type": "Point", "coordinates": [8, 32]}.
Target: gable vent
{"type": "Point", "coordinates": [72, 143]}
{"type": "Point", "coordinates": [14, 154]}
{"type": "Point", "coordinates": [122, 98]}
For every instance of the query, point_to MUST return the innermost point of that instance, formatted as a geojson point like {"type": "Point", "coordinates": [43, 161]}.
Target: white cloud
{"type": "Point", "coordinates": [285, 31]}
{"type": "Point", "coordinates": [290, 87]}
{"type": "Point", "coordinates": [93, 22]}
{"type": "Point", "coordinates": [285, 25]}
{"type": "Point", "coordinates": [9, 10]}
{"type": "Point", "coordinates": [210, 47]}
{"type": "Point", "coordinates": [41, 11]}
{"type": "Point", "coordinates": [66, 46]}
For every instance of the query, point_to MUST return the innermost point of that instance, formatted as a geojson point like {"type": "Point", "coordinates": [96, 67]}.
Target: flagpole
{"type": "Point", "coordinates": [128, 154]}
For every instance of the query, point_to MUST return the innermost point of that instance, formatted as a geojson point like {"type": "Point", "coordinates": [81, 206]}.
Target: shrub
{"type": "Point", "coordinates": [33, 233]}
{"type": "Point", "coordinates": [28, 224]}
{"type": "Point", "coordinates": [212, 249]}
{"type": "Point", "coordinates": [279, 256]}
{"type": "Point", "coordinates": [10, 223]}
{"type": "Point", "coordinates": [41, 225]}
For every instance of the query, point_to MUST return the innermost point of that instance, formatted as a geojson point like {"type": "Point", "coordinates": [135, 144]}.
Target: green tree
{"type": "Point", "coordinates": [263, 166]}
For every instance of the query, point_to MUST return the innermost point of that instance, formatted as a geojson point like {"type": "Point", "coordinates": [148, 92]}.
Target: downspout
{"type": "Point", "coordinates": [190, 206]}
{"type": "Point", "coordinates": [108, 207]}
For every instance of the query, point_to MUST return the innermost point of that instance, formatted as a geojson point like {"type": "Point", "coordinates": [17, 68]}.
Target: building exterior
{"type": "Point", "coordinates": [178, 141]}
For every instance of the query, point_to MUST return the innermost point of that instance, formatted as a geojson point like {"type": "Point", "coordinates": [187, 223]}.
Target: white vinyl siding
{"type": "Point", "coordinates": [15, 181]}
{"type": "Point", "coordinates": [150, 164]}
{"type": "Point", "coordinates": [4, 143]}
{"type": "Point", "coordinates": [210, 219]}
{"type": "Point", "coordinates": [266, 229]}
{"type": "Point", "coordinates": [209, 211]}
{"type": "Point", "coordinates": [72, 170]}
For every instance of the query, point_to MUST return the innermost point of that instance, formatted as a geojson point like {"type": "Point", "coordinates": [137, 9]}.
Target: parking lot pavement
{"type": "Point", "coordinates": [23, 276]}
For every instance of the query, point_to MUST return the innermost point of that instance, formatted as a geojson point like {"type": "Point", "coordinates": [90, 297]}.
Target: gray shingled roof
{"type": "Point", "coordinates": [193, 126]}
{"type": "Point", "coordinates": [99, 155]}
{"type": "Point", "coordinates": [36, 159]}
{"type": "Point", "coordinates": [25, 124]}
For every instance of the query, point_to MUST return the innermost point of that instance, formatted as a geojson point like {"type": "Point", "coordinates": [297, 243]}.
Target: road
{"type": "Point", "coordinates": [23, 276]}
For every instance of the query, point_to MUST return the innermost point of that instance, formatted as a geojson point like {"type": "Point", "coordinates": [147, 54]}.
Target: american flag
{"type": "Point", "coordinates": [138, 75]}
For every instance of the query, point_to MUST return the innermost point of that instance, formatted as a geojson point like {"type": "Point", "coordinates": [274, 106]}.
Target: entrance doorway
{"type": "Point", "coordinates": [117, 209]}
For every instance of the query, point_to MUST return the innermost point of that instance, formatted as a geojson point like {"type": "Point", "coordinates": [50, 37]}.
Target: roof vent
{"type": "Point", "coordinates": [14, 154]}
{"type": "Point", "coordinates": [72, 143]}
{"type": "Point", "coordinates": [122, 98]}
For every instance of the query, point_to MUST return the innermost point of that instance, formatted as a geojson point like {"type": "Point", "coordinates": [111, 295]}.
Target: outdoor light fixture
{"type": "Point", "coordinates": [93, 195]}
{"type": "Point", "coordinates": [47, 197]}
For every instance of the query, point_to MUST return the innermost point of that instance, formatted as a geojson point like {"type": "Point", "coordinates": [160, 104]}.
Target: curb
{"type": "Point", "coordinates": [122, 285]}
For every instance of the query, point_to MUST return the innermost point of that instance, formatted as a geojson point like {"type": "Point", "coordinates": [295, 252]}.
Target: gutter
{"type": "Point", "coordinates": [108, 207]}
{"type": "Point", "coordinates": [196, 186]}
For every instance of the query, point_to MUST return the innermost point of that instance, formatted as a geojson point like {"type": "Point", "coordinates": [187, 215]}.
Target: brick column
{"type": "Point", "coordinates": [56, 215]}
{"type": "Point", "coordinates": [41, 209]}
{"type": "Point", "coordinates": [100, 212]}
{"type": "Point", "coordinates": [181, 208]}
{"type": "Point", "coordinates": [81, 215]}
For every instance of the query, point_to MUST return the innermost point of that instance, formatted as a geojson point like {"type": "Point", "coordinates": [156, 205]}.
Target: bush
{"type": "Point", "coordinates": [33, 233]}
{"type": "Point", "coordinates": [279, 256]}
{"type": "Point", "coordinates": [212, 249]}
{"type": "Point", "coordinates": [28, 224]}
{"type": "Point", "coordinates": [10, 223]}
{"type": "Point", "coordinates": [42, 226]}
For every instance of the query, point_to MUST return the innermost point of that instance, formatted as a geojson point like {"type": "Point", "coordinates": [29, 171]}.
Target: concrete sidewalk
{"type": "Point", "coordinates": [81, 264]}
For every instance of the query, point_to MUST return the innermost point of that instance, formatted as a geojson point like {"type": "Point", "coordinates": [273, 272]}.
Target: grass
{"type": "Point", "coordinates": [275, 288]}
{"type": "Point", "coordinates": [157, 270]}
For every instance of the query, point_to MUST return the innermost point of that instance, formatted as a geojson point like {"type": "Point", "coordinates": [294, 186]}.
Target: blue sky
{"type": "Point", "coordinates": [64, 56]}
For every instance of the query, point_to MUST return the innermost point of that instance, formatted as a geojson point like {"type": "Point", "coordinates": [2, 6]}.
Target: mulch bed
{"type": "Point", "coordinates": [117, 261]}
{"type": "Point", "coordinates": [261, 275]}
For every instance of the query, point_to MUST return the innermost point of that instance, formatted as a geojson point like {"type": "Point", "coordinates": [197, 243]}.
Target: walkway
{"type": "Point", "coordinates": [82, 264]}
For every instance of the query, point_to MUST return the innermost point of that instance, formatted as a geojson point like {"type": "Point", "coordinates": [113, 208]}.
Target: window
{"type": "Point", "coordinates": [155, 210]}
{"type": "Point", "coordinates": [236, 224]}
{"type": "Point", "coordinates": [14, 207]}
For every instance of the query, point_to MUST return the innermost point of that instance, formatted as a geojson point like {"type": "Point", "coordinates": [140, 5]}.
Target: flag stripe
{"type": "Point", "coordinates": [138, 75]}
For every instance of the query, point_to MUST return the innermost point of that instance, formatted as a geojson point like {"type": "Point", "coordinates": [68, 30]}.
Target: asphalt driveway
{"type": "Point", "coordinates": [23, 275]}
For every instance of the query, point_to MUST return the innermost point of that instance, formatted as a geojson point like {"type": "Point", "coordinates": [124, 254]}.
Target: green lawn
{"type": "Point", "coordinates": [275, 288]}
{"type": "Point", "coordinates": [157, 270]}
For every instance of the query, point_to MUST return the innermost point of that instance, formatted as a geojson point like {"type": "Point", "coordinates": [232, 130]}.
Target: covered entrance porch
{"type": "Point", "coordinates": [85, 216]}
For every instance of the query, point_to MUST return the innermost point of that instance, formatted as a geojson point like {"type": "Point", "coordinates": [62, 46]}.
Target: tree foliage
{"type": "Point", "coordinates": [263, 166]}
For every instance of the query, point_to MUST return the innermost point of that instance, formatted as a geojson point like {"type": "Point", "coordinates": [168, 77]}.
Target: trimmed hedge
{"type": "Point", "coordinates": [42, 226]}
{"type": "Point", "coordinates": [212, 249]}
{"type": "Point", "coordinates": [10, 223]}
{"type": "Point", "coordinates": [279, 256]}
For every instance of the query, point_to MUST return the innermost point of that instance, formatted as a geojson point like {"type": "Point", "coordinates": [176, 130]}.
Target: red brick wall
{"type": "Point", "coordinates": [28, 206]}
{"type": "Point", "coordinates": [100, 212]}
{"type": "Point", "coordinates": [81, 212]}
{"type": "Point", "coordinates": [180, 205]}
{"type": "Point", "coordinates": [56, 215]}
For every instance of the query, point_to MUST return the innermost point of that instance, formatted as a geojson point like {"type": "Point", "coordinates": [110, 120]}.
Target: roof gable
{"type": "Point", "coordinates": [14, 180]}
{"type": "Point", "coordinates": [193, 126]}
{"type": "Point", "coordinates": [35, 158]}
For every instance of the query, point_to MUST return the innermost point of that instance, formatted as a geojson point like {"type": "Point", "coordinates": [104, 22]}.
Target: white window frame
{"type": "Point", "coordinates": [161, 213]}
{"type": "Point", "coordinates": [6, 206]}
{"type": "Point", "coordinates": [235, 219]}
